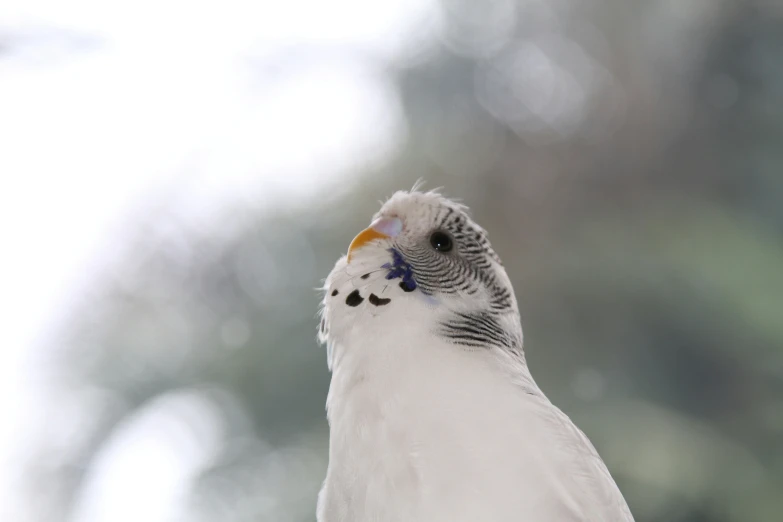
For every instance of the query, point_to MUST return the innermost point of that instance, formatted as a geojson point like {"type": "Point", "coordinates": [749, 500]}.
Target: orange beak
{"type": "Point", "coordinates": [381, 228]}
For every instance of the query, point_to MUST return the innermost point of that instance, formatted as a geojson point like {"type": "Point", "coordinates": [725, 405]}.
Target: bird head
{"type": "Point", "coordinates": [423, 252]}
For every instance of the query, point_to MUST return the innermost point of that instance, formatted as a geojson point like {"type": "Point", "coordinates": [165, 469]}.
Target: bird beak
{"type": "Point", "coordinates": [381, 228]}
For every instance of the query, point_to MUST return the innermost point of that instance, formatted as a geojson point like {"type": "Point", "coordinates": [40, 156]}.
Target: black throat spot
{"type": "Point", "coordinates": [354, 299]}
{"type": "Point", "coordinates": [378, 301]}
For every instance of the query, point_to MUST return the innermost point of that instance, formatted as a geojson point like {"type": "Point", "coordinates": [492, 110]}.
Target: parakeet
{"type": "Point", "coordinates": [434, 415]}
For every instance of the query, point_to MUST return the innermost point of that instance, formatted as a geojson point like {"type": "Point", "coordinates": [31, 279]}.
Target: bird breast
{"type": "Point", "coordinates": [422, 429]}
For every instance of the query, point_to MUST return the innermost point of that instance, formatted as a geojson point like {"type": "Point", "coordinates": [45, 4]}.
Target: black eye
{"type": "Point", "coordinates": [441, 242]}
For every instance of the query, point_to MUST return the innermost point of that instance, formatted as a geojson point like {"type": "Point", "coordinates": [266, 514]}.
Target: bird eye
{"type": "Point", "coordinates": [441, 242]}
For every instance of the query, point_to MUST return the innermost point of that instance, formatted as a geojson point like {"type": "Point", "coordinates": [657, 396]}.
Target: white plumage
{"type": "Point", "coordinates": [427, 423]}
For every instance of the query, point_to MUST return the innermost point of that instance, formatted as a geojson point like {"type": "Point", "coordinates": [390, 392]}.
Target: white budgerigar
{"type": "Point", "coordinates": [434, 415]}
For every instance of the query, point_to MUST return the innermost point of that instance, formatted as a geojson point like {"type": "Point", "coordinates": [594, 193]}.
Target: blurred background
{"type": "Point", "coordinates": [178, 177]}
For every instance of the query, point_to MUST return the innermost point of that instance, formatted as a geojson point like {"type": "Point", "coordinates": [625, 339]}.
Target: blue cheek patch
{"type": "Point", "coordinates": [399, 268]}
